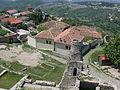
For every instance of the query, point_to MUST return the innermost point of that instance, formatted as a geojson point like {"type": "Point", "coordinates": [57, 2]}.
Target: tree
{"type": "Point", "coordinates": [22, 26]}
{"type": "Point", "coordinates": [6, 24]}
{"type": "Point", "coordinates": [112, 49]}
{"type": "Point", "coordinates": [36, 16]}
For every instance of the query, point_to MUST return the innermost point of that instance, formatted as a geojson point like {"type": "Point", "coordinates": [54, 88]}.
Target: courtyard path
{"type": "Point", "coordinates": [54, 57]}
{"type": "Point", "coordinates": [99, 74]}
{"type": "Point", "coordinates": [39, 87]}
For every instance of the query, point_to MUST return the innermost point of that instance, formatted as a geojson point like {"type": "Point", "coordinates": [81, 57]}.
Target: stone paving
{"type": "Point", "coordinates": [54, 57]}
{"type": "Point", "coordinates": [39, 87]}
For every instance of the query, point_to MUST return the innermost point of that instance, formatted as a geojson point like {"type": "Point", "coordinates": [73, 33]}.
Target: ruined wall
{"type": "Point", "coordinates": [31, 41]}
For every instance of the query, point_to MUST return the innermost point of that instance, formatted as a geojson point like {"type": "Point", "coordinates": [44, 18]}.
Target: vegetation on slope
{"type": "Point", "coordinates": [106, 19]}
{"type": "Point", "coordinates": [3, 32]}
{"type": "Point", "coordinates": [112, 49]}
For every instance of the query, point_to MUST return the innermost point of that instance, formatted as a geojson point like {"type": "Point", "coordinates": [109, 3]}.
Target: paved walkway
{"type": "Point", "coordinates": [39, 87]}
{"type": "Point", "coordinates": [54, 57]}
{"type": "Point", "coordinates": [99, 74]}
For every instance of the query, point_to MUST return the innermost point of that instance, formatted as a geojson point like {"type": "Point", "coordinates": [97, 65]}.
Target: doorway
{"type": "Point", "coordinates": [75, 72]}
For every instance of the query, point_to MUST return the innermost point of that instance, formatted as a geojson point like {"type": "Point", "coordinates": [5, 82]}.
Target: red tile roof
{"type": "Point", "coordinates": [22, 18]}
{"type": "Point", "coordinates": [67, 36]}
{"type": "Point", "coordinates": [87, 31]}
{"type": "Point", "coordinates": [16, 22]}
{"type": "Point", "coordinates": [54, 24]}
{"type": "Point", "coordinates": [45, 34]}
{"type": "Point", "coordinates": [8, 19]}
{"type": "Point", "coordinates": [12, 11]}
{"type": "Point", "coordinates": [11, 34]}
{"type": "Point", "coordinates": [25, 13]}
{"type": "Point", "coordinates": [51, 33]}
{"type": "Point", "coordinates": [103, 57]}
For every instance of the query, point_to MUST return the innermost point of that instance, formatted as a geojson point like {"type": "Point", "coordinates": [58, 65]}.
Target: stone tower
{"type": "Point", "coordinates": [74, 67]}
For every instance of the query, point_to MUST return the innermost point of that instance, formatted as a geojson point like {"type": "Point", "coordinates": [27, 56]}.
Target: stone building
{"type": "Point", "coordinates": [59, 35]}
{"type": "Point", "coordinates": [74, 67]}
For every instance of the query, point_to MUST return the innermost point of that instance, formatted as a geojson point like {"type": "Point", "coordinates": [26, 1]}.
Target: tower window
{"type": "Point", "coordinates": [75, 72]}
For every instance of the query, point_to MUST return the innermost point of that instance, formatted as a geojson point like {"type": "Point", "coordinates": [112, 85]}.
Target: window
{"type": "Point", "coordinates": [46, 41]}
{"type": "Point", "coordinates": [49, 42]}
{"type": "Point", "coordinates": [68, 47]}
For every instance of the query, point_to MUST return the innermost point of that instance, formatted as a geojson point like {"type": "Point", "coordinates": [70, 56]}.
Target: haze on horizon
{"type": "Point", "coordinates": [113, 1]}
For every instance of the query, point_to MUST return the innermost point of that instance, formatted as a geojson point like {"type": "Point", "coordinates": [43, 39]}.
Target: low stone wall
{"type": "Point", "coordinates": [104, 87]}
{"type": "Point", "coordinates": [4, 28]}
{"type": "Point", "coordinates": [3, 72]}
{"type": "Point", "coordinates": [7, 40]}
{"type": "Point", "coordinates": [45, 83]}
{"type": "Point", "coordinates": [88, 85]}
{"type": "Point", "coordinates": [19, 84]}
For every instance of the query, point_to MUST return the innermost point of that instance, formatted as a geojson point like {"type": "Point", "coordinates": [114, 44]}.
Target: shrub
{"type": "Point", "coordinates": [3, 32]}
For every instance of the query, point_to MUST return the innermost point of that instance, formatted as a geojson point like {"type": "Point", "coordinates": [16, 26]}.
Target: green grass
{"type": "Point", "coordinates": [42, 29]}
{"type": "Point", "coordinates": [33, 33]}
{"type": "Point", "coordinates": [8, 80]}
{"type": "Point", "coordinates": [16, 66]}
{"type": "Point", "coordinates": [1, 70]}
{"type": "Point", "coordinates": [47, 72]}
{"type": "Point", "coordinates": [89, 38]}
{"type": "Point", "coordinates": [94, 56]}
{"type": "Point", "coordinates": [50, 70]}
{"type": "Point", "coordinates": [27, 48]}
{"type": "Point", "coordinates": [3, 32]}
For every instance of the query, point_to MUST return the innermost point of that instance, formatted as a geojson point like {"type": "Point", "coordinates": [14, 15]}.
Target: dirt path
{"type": "Point", "coordinates": [99, 74]}
{"type": "Point", "coordinates": [18, 54]}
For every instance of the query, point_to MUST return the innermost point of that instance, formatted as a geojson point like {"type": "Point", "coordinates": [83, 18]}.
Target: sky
{"type": "Point", "coordinates": [118, 1]}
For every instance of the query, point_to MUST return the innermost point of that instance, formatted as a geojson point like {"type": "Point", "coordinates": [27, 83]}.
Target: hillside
{"type": "Point", "coordinates": [18, 4]}
{"type": "Point", "coordinates": [106, 18]}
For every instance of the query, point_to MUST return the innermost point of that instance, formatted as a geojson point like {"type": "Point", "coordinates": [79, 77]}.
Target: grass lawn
{"type": "Point", "coordinates": [89, 38]}
{"type": "Point", "coordinates": [50, 70]}
{"type": "Point", "coordinates": [1, 70]}
{"type": "Point", "coordinates": [94, 56]}
{"type": "Point", "coordinates": [8, 80]}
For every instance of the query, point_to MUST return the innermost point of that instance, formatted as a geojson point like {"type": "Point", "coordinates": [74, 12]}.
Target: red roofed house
{"type": "Point", "coordinates": [63, 41]}
{"type": "Point", "coordinates": [103, 60]}
{"type": "Point", "coordinates": [13, 11]}
{"type": "Point", "coordinates": [58, 39]}
{"type": "Point", "coordinates": [9, 38]}
{"type": "Point", "coordinates": [25, 13]}
{"type": "Point", "coordinates": [15, 22]}
{"type": "Point", "coordinates": [10, 19]}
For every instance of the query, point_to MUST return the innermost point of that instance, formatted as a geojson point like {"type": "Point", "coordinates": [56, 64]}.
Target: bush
{"type": "Point", "coordinates": [22, 26]}
{"type": "Point", "coordinates": [42, 28]}
{"type": "Point", "coordinates": [3, 32]}
{"type": "Point", "coordinates": [33, 33]}
{"type": "Point", "coordinates": [89, 38]}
